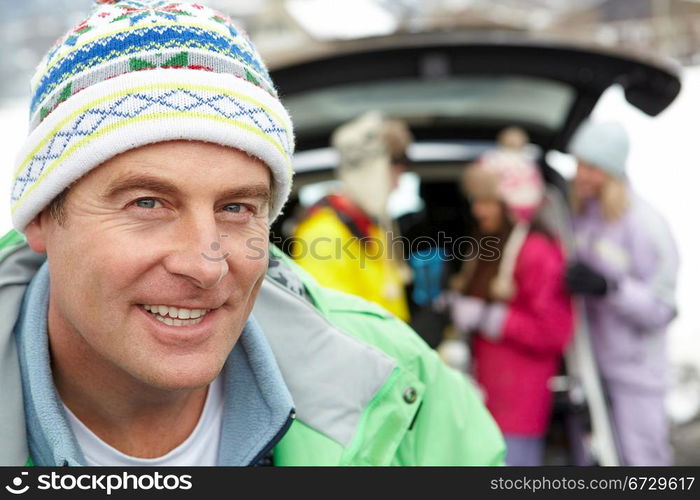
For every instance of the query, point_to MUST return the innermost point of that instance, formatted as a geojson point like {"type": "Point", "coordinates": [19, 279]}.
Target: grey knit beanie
{"type": "Point", "coordinates": [604, 145]}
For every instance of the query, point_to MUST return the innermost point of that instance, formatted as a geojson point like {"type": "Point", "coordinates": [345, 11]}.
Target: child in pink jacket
{"type": "Point", "coordinates": [513, 300]}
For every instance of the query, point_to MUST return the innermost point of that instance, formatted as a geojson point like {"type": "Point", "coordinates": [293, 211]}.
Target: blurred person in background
{"type": "Point", "coordinates": [511, 301]}
{"type": "Point", "coordinates": [343, 239]}
{"type": "Point", "coordinates": [626, 270]}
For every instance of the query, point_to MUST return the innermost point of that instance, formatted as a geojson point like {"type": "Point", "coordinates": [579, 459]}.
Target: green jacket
{"type": "Point", "coordinates": [367, 390]}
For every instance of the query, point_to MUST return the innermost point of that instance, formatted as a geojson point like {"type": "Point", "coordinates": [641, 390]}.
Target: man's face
{"type": "Point", "coordinates": [170, 229]}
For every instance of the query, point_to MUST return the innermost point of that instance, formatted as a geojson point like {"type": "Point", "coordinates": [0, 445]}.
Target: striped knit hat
{"type": "Point", "coordinates": [138, 72]}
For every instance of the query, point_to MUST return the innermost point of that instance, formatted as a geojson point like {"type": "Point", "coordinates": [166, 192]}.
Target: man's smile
{"type": "Point", "coordinates": [176, 316]}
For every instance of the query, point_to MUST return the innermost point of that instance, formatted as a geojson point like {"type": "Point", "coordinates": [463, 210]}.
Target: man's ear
{"type": "Point", "coordinates": [36, 233]}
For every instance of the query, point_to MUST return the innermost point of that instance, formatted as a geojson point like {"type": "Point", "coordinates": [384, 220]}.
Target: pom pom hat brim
{"type": "Point", "coordinates": [120, 112]}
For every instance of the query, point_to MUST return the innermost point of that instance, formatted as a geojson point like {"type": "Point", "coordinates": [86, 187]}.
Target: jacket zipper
{"type": "Point", "coordinates": [275, 439]}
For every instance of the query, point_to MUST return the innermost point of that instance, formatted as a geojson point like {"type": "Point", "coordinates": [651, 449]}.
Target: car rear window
{"type": "Point", "coordinates": [463, 99]}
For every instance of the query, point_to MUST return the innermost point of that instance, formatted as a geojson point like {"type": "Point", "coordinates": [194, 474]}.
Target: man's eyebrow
{"type": "Point", "coordinates": [256, 191]}
{"type": "Point", "coordinates": [149, 183]}
{"type": "Point", "coordinates": [139, 182]}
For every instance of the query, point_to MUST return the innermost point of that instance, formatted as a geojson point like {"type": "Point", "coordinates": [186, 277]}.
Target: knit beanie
{"type": "Point", "coordinates": [509, 176]}
{"type": "Point", "coordinates": [604, 145]}
{"type": "Point", "coordinates": [137, 72]}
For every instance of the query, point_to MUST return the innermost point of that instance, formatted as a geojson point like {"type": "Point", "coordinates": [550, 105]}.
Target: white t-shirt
{"type": "Point", "coordinates": [200, 448]}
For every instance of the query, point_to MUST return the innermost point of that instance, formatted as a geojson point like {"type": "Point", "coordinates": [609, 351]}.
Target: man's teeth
{"type": "Point", "coordinates": [176, 316]}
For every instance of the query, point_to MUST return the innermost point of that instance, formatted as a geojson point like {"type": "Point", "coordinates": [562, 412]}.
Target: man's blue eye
{"type": "Point", "coordinates": [146, 203]}
{"type": "Point", "coordinates": [234, 208]}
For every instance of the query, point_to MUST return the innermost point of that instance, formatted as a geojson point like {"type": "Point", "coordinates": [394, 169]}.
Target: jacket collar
{"type": "Point", "coordinates": [332, 375]}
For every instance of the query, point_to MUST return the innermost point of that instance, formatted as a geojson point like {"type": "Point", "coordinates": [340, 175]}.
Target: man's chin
{"type": "Point", "coordinates": [182, 378]}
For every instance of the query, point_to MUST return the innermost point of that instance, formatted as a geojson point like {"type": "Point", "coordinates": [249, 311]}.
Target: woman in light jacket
{"type": "Point", "coordinates": [626, 269]}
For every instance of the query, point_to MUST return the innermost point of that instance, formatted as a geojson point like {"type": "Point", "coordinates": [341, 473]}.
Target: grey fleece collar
{"type": "Point", "coordinates": [51, 441]}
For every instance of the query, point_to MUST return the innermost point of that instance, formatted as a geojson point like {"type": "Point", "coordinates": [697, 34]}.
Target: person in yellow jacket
{"type": "Point", "coordinates": [346, 240]}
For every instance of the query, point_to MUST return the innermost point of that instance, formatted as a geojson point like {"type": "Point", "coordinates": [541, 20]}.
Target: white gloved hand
{"type": "Point", "coordinates": [492, 321]}
{"type": "Point", "coordinates": [467, 313]}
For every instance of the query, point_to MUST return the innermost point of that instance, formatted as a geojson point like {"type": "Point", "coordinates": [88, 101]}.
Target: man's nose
{"type": "Point", "coordinates": [199, 254]}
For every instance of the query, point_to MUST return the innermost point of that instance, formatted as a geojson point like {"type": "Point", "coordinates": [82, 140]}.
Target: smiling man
{"type": "Point", "coordinates": [147, 322]}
